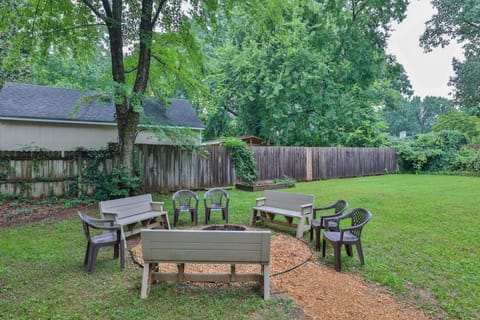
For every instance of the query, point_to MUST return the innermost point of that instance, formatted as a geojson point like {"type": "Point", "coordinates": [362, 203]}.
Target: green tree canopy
{"type": "Point", "coordinates": [306, 72]}
{"type": "Point", "coordinates": [458, 20]}
{"type": "Point", "coordinates": [459, 121]}
{"type": "Point", "coordinates": [416, 115]}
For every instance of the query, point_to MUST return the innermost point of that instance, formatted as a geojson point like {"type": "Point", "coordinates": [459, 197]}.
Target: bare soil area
{"type": "Point", "coordinates": [320, 291]}
{"type": "Point", "coordinates": [15, 212]}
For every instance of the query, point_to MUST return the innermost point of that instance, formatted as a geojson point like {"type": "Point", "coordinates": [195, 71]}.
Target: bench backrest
{"type": "Point", "coordinates": [129, 206]}
{"type": "Point", "coordinates": [206, 246]}
{"type": "Point", "coordinates": [286, 200]}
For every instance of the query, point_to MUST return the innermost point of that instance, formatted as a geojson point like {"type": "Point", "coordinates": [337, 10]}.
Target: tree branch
{"type": "Point", "coordinates": [159, 9]}
{"type": "Point", "coordinates": [35, 15]}
{"type": "Point", "coordinates": [233, 112]}
{"type": "Point", "coordinates": [94, 10]}
{"type": "Point", "coordinates": [473, 25]}
{"type": "Point", "coordinates": [131, 70]}
{"type": "Point", "coordinates": [356, 10]}
{"type": "Point", "coordinates": [78, 27]}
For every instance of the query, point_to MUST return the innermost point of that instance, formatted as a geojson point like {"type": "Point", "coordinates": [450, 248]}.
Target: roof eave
{"type": "Point", "coordinates": [59, 121]}
{"type": "Point", "coordinates": [83, 122]}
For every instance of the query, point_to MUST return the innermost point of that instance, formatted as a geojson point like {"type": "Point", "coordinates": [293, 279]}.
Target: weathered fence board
{"type": "Point", "coordinates": [316, 163]}
{"type": "Point", "coordinates": [168, 168]}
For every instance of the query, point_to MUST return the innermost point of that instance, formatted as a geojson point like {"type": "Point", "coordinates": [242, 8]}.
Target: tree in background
{"type": "Point", "coordinates": [416, 115]}
{"type": "Point", "coordinates": [306, 72]}
{"type": "Point", "coordinates": [459, 20]}
{"type": "Point", "coordinates": [460, 121]}
{"type": "Point", "coordinates": [467, 82]}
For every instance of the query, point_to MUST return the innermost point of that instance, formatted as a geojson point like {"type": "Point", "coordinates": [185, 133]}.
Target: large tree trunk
{"type": "Point", "coordinates": [124, 125]}
{"type": "Point", "coordinates": [127, 117]}
{"type": "Point", "coordinates": [143, 69]}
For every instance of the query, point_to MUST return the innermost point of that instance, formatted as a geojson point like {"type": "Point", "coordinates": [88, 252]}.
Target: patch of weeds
{"type": "Point", "coordinates": [28, 201]}
{"type": "Point", "coordinates": [45, 202]}
{"type": "Point", "coordinates": [72, 203]}
{"type": "Point", "coordinates": [13, 204]}
{"type": "Point", "coordinates": [19, 211]}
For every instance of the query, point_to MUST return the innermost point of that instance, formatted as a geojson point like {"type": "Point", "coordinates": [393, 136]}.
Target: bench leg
{"type": "Point", "coordinates": [266, 281]}
{"type": "Point", "coordinates": [124, 239]}
{"type": "Point", "coordinates": [253, 218]}
{"type": "Point", "coordinates": [146, 281]}
{"type": "Point", "coordinates": [165, 221]}
{"type": "Point", "coordinates": [300, 228]}
{"type": "Point", "coordinates": [181, 272]}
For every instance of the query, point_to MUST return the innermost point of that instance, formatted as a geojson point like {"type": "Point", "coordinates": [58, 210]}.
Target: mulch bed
{"type": "Point", "coordinates": [318, 289]}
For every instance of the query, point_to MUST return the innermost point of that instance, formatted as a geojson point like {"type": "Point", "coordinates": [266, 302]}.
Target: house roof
{"type": "Point", "coordinates": [41, 103]}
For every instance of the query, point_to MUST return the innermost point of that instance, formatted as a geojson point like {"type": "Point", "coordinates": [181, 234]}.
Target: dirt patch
{"type": "Point", "coordinates": [15, 212]}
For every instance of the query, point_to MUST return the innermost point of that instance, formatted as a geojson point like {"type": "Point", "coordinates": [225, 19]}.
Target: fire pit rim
{"type": "Point", "coordinates": [224, 227]}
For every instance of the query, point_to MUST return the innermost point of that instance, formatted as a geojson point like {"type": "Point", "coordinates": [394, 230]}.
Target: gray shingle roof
{"type": "Point", "coordinates": [33, 102]}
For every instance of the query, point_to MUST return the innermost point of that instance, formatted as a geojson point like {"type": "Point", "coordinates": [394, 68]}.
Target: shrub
{"type": "Point", "coordinates": [432, 152]}
{"type": "Point", "coordinates": [468, 159]}
{"type": "Point", "coordinates": [243, 159]}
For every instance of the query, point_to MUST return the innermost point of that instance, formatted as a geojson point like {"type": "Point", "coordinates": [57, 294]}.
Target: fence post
{"type": "Point", "coordinates": [308, 164]}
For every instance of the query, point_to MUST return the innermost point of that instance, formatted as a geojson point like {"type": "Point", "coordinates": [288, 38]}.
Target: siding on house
{"type": "Point", "coordinates": [25, 135]}
{"type": "Point", "coordinates": [39, 117]}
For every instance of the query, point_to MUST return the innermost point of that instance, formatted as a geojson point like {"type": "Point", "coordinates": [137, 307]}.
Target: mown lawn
{"type": "Point", "coordinates": [422, 242]}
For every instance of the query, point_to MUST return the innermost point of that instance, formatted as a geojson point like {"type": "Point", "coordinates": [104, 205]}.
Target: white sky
{"type": "Point", "coordinates": [428, 72]}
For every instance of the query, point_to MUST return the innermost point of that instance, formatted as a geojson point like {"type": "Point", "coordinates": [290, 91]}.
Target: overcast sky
{"type": "Point", "coordinates": [428, 72]}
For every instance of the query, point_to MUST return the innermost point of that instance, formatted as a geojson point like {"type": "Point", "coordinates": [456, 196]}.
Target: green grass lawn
{"type": "Point", "coordinates": [422, 242]}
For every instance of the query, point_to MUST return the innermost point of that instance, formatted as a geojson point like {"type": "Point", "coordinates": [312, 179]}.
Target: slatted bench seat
{"type": "Point", "coordinates": [135, 213]}
{"type": "Point", "coordinates": [289, 205]}
{"type": "Point", "coordinates": [205, 246]}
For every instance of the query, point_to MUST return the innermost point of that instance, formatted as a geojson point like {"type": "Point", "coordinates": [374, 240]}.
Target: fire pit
{"type": "Point", "coordinates": [225, 227]}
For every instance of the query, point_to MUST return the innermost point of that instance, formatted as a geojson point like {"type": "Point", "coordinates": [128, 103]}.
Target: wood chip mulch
{"type": "Point", "coordinates": [318, 289]}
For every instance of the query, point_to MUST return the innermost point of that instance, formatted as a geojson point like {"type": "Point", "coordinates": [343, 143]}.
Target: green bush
{"type": "Point", "coordinates": [468, 160]}
{"type": "Point", "coordinates": [243, 159]}
{"type": "Point", "coordinates": [415, 153]}
{"type": "Point", "coordinates": [432, 152]}
{"type": "Point", "coordinates": [121, 182]}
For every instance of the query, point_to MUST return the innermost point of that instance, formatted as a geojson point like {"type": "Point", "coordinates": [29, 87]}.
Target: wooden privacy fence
{"type": "Point", "coordinates": [169, 168]}
{"type": "Point", "coordinates": [316, 163]}
{"type": "Point", "coordinates": [48, 173]}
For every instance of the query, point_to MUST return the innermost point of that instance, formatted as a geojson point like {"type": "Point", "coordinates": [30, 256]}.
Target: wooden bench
{"type": "Point", "coordinates": [205, 246]}
{"type": "Point", "coordinates": [289, 205]}
{"type": "Point", "coordinates": [135, 213]}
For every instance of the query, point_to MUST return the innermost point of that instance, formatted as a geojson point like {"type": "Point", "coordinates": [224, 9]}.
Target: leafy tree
{"type": "Point", "coordinates": [467, 82]}
{"type": "Point", "coordinates": [459, 20]}
{"type": "Point", "coordinates": [8, 30]}
{"type": "Point", "coordinates": [416, 115]}
{"type": "Point", "coordinates": [459, 121]}
{"type": "Point", "coordinates": [150, 45]}
{"type": "Point", "coordinates": [305, 72]}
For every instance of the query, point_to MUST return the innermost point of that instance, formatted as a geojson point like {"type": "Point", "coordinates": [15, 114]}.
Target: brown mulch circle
{"type": "Point", "coordinates": [319, 290]}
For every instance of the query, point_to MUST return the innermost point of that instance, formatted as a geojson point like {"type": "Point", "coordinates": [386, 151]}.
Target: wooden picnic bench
{"type": "Point", "coordinates": [205, 246]}
{"type": "Point", "coordinates": [135, 213]}
{"type": "Point", "coordinates": [289, 205]}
